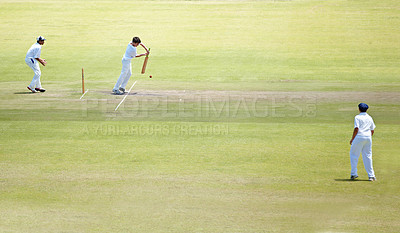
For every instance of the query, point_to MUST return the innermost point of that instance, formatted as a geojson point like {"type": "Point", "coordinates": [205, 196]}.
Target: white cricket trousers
{"type": "Point", "coordinates": [34, 65]}
{"type": "Point", "coordinates": [126, 73]}
{"type": "Point", "coordinates": [361, 145]}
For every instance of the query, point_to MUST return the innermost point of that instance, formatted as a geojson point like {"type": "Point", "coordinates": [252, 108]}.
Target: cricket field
{"type": "Point", "coordinates": [244, 126]}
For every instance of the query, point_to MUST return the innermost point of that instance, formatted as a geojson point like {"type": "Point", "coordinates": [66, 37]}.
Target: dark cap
{"type": "Point", "coordinates": [40, 38]}
{"type": "Point", "coordinates": [363, 107]}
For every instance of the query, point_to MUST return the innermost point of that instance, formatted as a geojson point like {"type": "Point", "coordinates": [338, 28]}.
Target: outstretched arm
{"type": "Point", "coordinates": [143, 54]}
{"type": "Point", "coordinates": [145, 48]}
{"type": "Point", "coordinates": [42, 61]}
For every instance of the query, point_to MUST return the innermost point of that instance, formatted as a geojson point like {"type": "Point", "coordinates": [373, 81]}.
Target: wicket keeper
{"type": "Point", "coordinates": [33, 59]}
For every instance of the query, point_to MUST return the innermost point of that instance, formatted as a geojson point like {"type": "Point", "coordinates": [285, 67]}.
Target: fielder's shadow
{"type": "Point", "coordinates": [349, 180]}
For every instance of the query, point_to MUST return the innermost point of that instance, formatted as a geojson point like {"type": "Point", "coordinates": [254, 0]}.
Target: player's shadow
{"type": "Point", "coordinates": [349, 180]}
{"type": "Point", "coordinates": [23, 93]}
{"type": "Point", "coordinates": [133, 93]}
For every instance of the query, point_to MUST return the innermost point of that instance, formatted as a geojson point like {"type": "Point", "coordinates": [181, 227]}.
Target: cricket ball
{"type": "Point", "coordinates": [150, 76]}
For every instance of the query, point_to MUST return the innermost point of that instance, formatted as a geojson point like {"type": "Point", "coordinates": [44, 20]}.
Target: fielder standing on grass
{"type": "Point", "coordinates": [361, 142]}
{"type": "Point", "coordinates": [126, 71]}
{"type": "Point", "coordinates": [33, 59]}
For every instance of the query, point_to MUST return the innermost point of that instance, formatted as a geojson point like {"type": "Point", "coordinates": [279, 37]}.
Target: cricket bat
{"type": "Point", "coordinates": [145, 62]}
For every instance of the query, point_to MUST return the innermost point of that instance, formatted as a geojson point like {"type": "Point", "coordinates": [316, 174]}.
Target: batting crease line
{"type": "Point", "coordinates": [84, 94]}
{"type": "Point", "coordinates": [125, 96]}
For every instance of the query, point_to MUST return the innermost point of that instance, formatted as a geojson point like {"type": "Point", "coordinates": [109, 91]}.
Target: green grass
{"type": "Point", "coordinates": [244, 126]}
{"type": "Point", "coordinates": [112, 176]}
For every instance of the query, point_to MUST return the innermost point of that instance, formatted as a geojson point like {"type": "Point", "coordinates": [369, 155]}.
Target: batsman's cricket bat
{"type": "Point", "coordinates": [145, 62]}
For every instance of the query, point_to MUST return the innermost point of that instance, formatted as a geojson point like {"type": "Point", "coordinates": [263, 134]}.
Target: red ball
{"type": "Point", "coordinates": [150, 76]}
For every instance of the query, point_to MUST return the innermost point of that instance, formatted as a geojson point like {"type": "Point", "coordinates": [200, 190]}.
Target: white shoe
{"type": "Point", "coordinates": [353, 177]}
{"type": "Point", "coordinates": [117, 92]}
{"type": "Point", "coordinates": [372, 178]}
{"type": "Point", "coordinates": [40, 89]}
{"type": "Point", "coordinates": [31, 89]}
{"type": "Point", "coordinates": [122, 89]}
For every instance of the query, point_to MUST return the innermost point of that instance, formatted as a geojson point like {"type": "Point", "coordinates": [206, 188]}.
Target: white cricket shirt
{"type": "Point", "coordinates": [34, 51]}
{"type": "Point", "coordinates": [130, 52]}
{"type": "Point", "coordinates": [364, 123]}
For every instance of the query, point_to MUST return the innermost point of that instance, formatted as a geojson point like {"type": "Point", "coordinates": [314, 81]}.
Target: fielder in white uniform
{"type": "Point", "coordinates": [361, 142]}
{"type": "Point", "coordinates": [126, 71]}
{"type": "Point", "coordinates": [33, 59]}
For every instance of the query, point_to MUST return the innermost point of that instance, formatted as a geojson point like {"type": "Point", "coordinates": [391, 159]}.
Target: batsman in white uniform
{"type": "Point", "coordinates": [33, 59]}
{"type": "Point", "coordinates": [126, 71]}
{"type": "Point", "coordinates": [361, 142]}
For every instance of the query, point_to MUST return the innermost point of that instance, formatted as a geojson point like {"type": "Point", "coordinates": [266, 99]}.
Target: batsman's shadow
{"type": "Point", "coordinates": [23, 93]}
{"type": "Point", "coordinates": [132, 93]}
